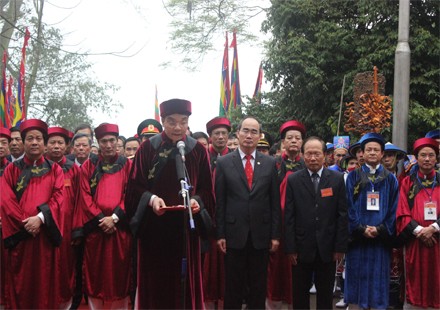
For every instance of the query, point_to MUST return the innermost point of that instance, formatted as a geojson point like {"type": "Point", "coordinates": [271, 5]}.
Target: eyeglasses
{"type": "Point", "coordinates": [316, 155]}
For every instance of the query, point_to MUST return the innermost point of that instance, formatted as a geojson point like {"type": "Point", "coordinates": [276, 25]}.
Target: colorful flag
{"type": "Point", "coordinates": [257, 91]}
{"type": "Point", "coordinates": [10, 100]}
{"type": "Point", "coordinates": [225, 91]}
{"type": "Point", "coordinates": [20, 105]}
{"type": "Point", "coordinates": [156, 108]}
{"type": "Point", "coordinates": [4, 115]}
{"type": "Point", "coordinates": [235, 79]}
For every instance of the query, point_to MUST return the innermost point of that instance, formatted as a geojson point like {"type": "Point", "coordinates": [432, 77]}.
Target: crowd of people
{"type": "Point", "coordinates": [170, 219]}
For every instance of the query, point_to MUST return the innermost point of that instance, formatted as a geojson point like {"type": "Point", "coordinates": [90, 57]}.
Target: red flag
{"type": "Point", "coordinates": [225, 91]}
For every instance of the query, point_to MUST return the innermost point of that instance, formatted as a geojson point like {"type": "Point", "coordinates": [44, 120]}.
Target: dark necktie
{"type": "Point", "coordinates": [315, 180]}
{"type": "Point", "coordinates": [249, 171]}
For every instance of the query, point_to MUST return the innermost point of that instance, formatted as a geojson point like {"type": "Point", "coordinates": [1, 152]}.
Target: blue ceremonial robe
{"type": "Point", "coordinates": [368, 260]}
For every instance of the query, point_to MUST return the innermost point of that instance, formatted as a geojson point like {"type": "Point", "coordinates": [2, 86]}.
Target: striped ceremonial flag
{"type": "Point", "coordinates": [10, 99]}
{"type": "Point", "coordinates": [4, 115]}
{"type": "Point", "coordinates": [225, 91]}
{"type": "Point", "coordinates": [235, 79]}
{"type": "Point", "coordinates": [257, 91]}
{"type": "Point", "coordinates": [20, 105]}
{"type": "Point", "coordinates": [156, 108]}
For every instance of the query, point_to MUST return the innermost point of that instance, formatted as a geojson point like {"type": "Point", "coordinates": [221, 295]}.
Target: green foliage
{"type": "Point", "coordinates": [61, 88]}
{"type": "Point", "coordinates": [199, 24]}
{"type": "Point", "coordinates": [315, 43]}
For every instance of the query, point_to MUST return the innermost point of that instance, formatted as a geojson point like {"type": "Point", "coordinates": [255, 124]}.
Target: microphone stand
{"type": "Point", "coordinates": [185, 187]}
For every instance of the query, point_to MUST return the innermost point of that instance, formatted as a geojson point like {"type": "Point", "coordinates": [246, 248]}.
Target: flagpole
{"type": "Point", "coordinates": [340, 105]}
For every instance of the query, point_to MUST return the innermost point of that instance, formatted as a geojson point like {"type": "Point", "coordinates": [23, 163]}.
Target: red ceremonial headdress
{"type": "Point", "coordinates": [5, 133]}
{"type": "Point", "coordinates": [217, 122]}
{"type": "Point", "coordinates": [292, 125]}
{"type": "Point", "coordinates": [106, 129]}
{"type": "Point", "coordinates": [33, 124]}
{"type": "Point", "coordinates": [425, 142]}
{"type": "Point", "coordinates": [59, 131]}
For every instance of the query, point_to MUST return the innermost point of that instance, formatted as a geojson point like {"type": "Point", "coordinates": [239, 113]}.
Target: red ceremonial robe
{"type": "Point", "coordinates": [422, 264]}
{"type": "Point", "coordinates": [32, 263]}
{"type": "Point", "coordinates": [67, 255]}
{"type": "Point", "coordinates": [213, 267]}
{"type": "Point", "coordinates": [3, 164]}
{"type": "Point", "coordinates": [107, 257]}
{"type": "Point", "coordinates": [160, 238]}
{"type": "Point", "coordinates": [279, 274]}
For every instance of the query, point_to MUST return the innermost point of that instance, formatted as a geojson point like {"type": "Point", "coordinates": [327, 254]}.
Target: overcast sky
{"type": "Point", "coordinates": [100, 26]}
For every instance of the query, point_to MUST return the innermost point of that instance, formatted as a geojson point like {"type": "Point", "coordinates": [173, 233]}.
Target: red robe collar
{"type": "Point", "coordinates": [286, 157]}
{"type": "Point", "coordinates": [30, 162]}
{"type": "Point", "coordinates": [212, 151]}
{"type": "Point", "coordinates": [426, 177]}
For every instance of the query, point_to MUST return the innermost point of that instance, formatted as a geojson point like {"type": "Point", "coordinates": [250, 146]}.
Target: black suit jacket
{"type": "Point", "coordinates": [240, 210]}
{"type": "Point", "coordinates": [316, 223]}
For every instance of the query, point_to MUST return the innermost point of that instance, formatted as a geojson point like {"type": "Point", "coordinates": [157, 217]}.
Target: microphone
{"type": "Point", "coordinates": [179, 168]}
{"type": "Point", "coordinates": [181, 147]}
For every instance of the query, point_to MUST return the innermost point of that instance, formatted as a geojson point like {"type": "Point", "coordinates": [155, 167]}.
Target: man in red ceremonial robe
{"type": "Point", "coordinates": [418, 223]}
{"type": "Point", "coordinates": [101, 221]}
{"type": "Point", "coordinates": [218, 130]}
{"type": "Point", "coordinates": [5, 138]}
{"type": "Point", "coordinates": [279, 276]}
{"type": "Point", "coordinates": [164, 237]}
{"type": "Point", "coordinates": [56, 147]}
{"type": "Point", "coordinates": [32, 195]}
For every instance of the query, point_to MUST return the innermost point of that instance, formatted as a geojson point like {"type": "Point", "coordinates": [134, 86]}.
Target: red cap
{"type": "Point", "coordinates": [71, 134]}
{"type": "Point", "coordinates": [175, 106]}
{"type": "Point", "coordinates": [218, 122]}
{"type": "Point", "coordinates": [58, 131]}
{"type": "Point", "coordinates": [33, 124]}
{"type": "Point", "coordinates": [106, 129]}
{"type": "Point", "coordinates": [425, 142]}
{"type": "Point", "coordinates": [5, 133]}
{"type": "Point", "coordinates": [292, 125]}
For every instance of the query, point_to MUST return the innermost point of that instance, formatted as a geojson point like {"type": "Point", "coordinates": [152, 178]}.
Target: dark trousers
{"type": "Point", "coordinates": [246, 267]}
{"type": "Point", "coordinates": [324, 281]}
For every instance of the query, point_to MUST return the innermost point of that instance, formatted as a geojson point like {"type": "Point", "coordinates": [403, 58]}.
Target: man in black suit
{"type": "Point", "coordinates": [316, 226]}
{"type": "Point", "coordinates": [248, 216]}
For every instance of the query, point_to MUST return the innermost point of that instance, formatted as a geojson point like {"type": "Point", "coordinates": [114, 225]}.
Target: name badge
{"type": "Point", "coordinates": [327, 192]}
{"type": "Point", "coordinates": [67, 182]}
{"type": "Point", "coordinates": [430, 210]}
{"type": "Point", "coordinates": [373, 201]}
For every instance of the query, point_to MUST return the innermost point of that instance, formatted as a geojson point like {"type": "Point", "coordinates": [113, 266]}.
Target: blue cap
{"type": "Point", "coordinates": [433, 134]}
{"type": "Point", "coordinates": [329, 146]}
{"type": "Point", "coordinates": [392, 148]}
{"type": "Point", "coordinates": [372, 137]}
{"type": "Point", "coordinates": [353, 148]}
